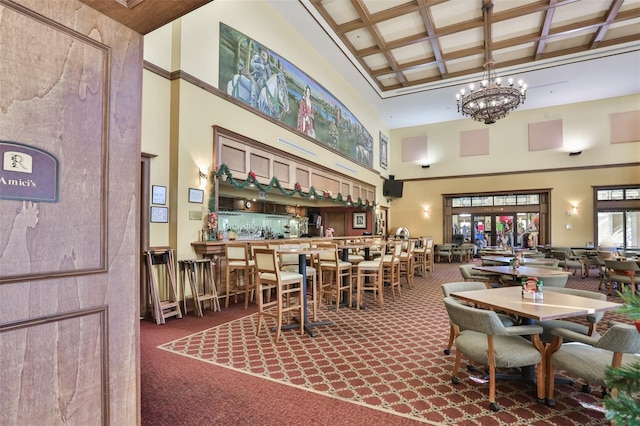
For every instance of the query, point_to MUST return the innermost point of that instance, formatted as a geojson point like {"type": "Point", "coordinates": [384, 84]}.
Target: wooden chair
{"type": "Point", "coordinates": [444, 251]}
{"type": "Point", "coordinates": [587, 328]}
{"type": "Point", "coordinates": [336, 276]}
{"type": "Point", "coordinates": [590, 357]}
{"type": "Point", "coordinates": [391, 269]}
{"type": "Point", "coordinates": [483, 338]}
{"type": "Point", "coordinates": [622, 272]}
{"type": "Point", "coordinates": [406, 263]}
{"type": "Point", "coordinates": [569, 262]}
{"type": "Point", "coordinates": [420, 257]}
{"type": "Point", "coordinates": [290, 262]}
{"type": "Point", "coordinates": [289, 296]}
{"type": "Point", "coordinates": [369, 277]}
{"type": "Point", "coordinates": [242, 269]}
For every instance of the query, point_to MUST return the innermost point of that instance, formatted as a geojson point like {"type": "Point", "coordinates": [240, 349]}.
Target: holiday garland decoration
{"type": "Point", "coordinates": [224, 174]}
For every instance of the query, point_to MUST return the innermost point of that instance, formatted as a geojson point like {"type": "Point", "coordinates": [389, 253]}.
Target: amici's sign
{"type": "Point", "coordinates": [28, 173]}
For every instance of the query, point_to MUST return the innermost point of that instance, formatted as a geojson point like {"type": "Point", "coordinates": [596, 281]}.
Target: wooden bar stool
{"type": "Point", "coordinates": [289, 295]}
{"type": "Point", "coordinates": [242, 268]}
{"type": "Point", "coordinates": [199, 272]}
{"type": "Point", "coordinates": [161, 270]}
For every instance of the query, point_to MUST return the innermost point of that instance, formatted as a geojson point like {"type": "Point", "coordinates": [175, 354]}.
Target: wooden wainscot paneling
{"type": "Point", "coordinates": [345, 188]}
{"type": "Point", "coordinates": [282, 172]}
{"type": "Point", "coordinates": [243, 155]}
{"type": "Point", "coordinates": [325, 183]}
{"type": "Point", "coordinates": [260, 164]}
{"type": "Point", "coordinates": [234, 155]}
{"type": "Point", "coordinates": [303, 177]}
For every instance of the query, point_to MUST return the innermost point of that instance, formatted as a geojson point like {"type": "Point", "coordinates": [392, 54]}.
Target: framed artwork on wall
{"type": "Point", "coordinates": [384, 151]}
{"type": "Point", "coordinates": [359, 221]}
{"type": "Point", "coordinates": [159, 214]}
{"type": "Point", "coordinates": [196, 195]}
{"type": "Point", "coordinates": [158, 194]}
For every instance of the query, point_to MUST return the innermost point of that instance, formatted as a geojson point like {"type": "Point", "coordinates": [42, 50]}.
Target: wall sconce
{"type": "Point", "coordinates": [426, 211]}
{"type": "Point", "coordinates": [574, 209]}
{"type": "Point", "coordinates": [203, 177]}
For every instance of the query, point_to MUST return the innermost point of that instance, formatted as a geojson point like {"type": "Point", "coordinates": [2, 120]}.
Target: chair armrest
{"type": "Point", "coordinates": [524, 330]}
{"type": "Point", "coordinates": [574, 336]}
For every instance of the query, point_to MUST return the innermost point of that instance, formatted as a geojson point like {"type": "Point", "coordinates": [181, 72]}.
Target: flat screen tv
{"type": "Point", "coordinates": [392, 188]}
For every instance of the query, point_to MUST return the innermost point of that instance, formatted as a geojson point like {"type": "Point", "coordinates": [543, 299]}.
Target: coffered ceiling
{"type": "Point", "coordinates": [403, 44]}
{"type": "Point", "coordinates": [409, 58]}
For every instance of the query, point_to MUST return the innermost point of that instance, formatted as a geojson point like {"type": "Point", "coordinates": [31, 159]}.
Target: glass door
{"type": "Point", "coordinates": [482, 234]}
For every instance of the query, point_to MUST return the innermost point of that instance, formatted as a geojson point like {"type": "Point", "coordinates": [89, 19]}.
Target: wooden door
{"type": "Point", "coordinates": [337, 221]}
{"type": "Point", "coordinates": [69, 265]}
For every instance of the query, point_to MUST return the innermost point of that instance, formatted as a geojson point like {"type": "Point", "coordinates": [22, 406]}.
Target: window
{"type": "Point", "coordinates": [618, 217]}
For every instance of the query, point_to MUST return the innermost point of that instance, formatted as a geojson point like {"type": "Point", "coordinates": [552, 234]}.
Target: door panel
{"type": "Point", "coordinates": [69, 269]}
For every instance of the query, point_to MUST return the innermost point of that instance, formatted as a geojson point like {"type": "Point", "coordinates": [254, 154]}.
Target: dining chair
{"type": "Point", "coordinates": [589, 357]}
{"type": "Point", "coordinates": [470, 274]}
{"type": "Point", "coordinates": [568, 261]}
{"type": "Point", "coordinates": [240, 273]}
{"type": "Point", "coordinates": [336, 276]}
{"type": "Point", "coordinates": [454, 287]}
{"type": "Point", "coordinates": [444, 251]}
{"type": "Point", "coordinates": [484, 339]}
{"type": "Point", "coordinates": [289, 295]}
{"type": "Point", "coordinates": [553, 281]}
{"type": "Point", "coordinates": [586, 328]}
{"type": "Point", "coordinates": [622, 272]}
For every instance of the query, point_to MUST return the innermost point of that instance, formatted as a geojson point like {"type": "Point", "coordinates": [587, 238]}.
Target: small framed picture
{"type": "Point", "coordinates": [196, 195]}
{"type": "Point", "coordinates": [384, 150]}
{"type": "Point", "coordinates": [359, 221]}
{"type": "Point", "coordinates": [159, 214]}
{"type": "Point", "coordinates": [158, 194]}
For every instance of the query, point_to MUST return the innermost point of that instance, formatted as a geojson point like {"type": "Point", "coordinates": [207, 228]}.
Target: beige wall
{"type": "Point", "coordinates": [585, 127]}
{"type": "Point", "coordinates": [568, 187]}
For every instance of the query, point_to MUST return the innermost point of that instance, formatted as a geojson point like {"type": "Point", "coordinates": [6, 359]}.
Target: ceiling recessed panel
{"type": "Point", "coordinates": [453, 12]}
{"type": "Point", "coordinates": [376, 6]}
{"type": "Point", "coordinates": [401, 27]}
{"type": "Point", "coordinates": [413, 52]}
{"type": "Point", "coordinates": [375, 62]}
{"type": "Point", "coordinates": [579, 11]}
{"type": "Point", "coordinates": [462, 40]}
{"type": "Point", "coordinates": [511, 28]}
{"type": "Point", "coordinates": [361, 39]}
{"type": "Point", "coordinates": [575, 41]}
{"type": "Point", "coordinates": [341, 11]}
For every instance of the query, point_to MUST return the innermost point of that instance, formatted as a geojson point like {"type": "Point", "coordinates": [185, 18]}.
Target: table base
{"type": "Point", "coordinates": [307, 327]}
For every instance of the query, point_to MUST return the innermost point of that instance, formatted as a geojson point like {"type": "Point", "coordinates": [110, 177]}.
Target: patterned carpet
{"type": "Point", "coordinates": [390, 360]}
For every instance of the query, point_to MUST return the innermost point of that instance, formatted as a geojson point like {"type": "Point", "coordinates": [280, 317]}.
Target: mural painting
{"type": "Point", "coordinates": [267, 82]}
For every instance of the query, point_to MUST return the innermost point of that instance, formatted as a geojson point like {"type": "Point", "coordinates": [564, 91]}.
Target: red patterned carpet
{"type": "Point", "coordinates": [383, 366]}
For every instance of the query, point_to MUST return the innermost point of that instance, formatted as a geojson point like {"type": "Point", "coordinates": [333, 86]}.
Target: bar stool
{"type": "Point", "coordinates": [369, 277]}
{"type": "Point", "coordinates": [161, 267]}
{"type": "Point", "coordinates": [391, 269]}
{"type": "Point", "coordinates": [288, 285]}
{"type": "Point", "coordinates": [289, 263]}
{"type": "Point", "coordinates": [199, 272]}
{"type": "Point", "coordinates": [336, 276]}
{"type": "Point", "coordinates": [243, 269]}
{"type": "Point", "coordinates": [406, 263]}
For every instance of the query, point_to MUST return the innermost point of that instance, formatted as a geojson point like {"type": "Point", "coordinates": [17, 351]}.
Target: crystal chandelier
{"type": "Point", "coordinates": [491, 101]}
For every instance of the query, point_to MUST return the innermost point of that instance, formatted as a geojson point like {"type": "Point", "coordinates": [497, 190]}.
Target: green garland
{"type": "Point", "coordinates": [224, 174]}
